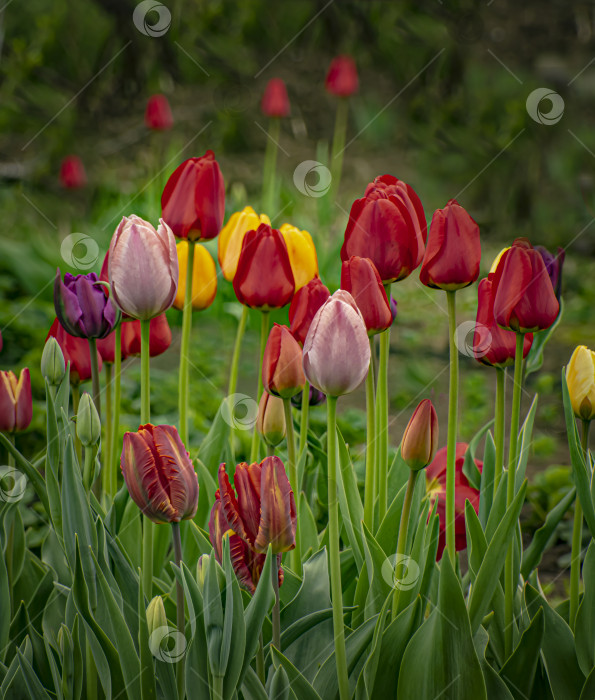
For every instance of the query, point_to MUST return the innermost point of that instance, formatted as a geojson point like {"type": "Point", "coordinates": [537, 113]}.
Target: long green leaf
{"type": "Point", "coordinates": [302, 689]}
{"type": "Point", "coordinates": [584, 629]}
{"type": "Point", "coordinates": [29, 470]}
{"type": "Point", "coordinates": [519, 670]}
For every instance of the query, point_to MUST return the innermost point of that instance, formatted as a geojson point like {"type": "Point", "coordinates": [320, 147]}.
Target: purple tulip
{"type": "Point", "coordinates": [553, 265]}
{"type": "Point", "coordinates": [393, 308]}
{"type": "Point", "coordinates": [316, 397]}
{"type": "Point", "coordinates": [337, 349]}
{"type": "Point", "coordinates": [143, 268]}
{"type": "Point", "coordinates": [82, 306]}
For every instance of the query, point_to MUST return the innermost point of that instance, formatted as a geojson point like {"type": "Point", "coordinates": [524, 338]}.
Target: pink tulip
{"type": "Point", "coordinates": [336, 349]}
{"type": "Point", "coordinates": [143, 268]}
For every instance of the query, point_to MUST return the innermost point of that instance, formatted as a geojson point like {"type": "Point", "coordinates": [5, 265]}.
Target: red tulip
{"type": "Point", "coordinates": [493, 345]}
{"type": "Point", "coordinates": [275, 102]}
{"type": "Point", "coordinates": [158, 114]}
{"type": "Point", "coordinates": [193, 201]}
{"type": "Point", "coordinates": [160, 338]}
{"type": "Point", "coordinates": [453, 252]}
{"type": "Point", "coordinates": [524, 299]}
{"type": "Point", "coordinates": [553, 264]}
{"type": "Point", "coordinates": [264, 278]}
{"type": "Point", "coordinates": [420, 438]}
{"type": "Point", "coordinates": [76, 351]}
{"type": "Point", "coordinates": [72, 173]}
{"type": "Point", "coordinates": [159, 474]}
{"type": "Point", "coordinates": [282, 373]}
{"type": "Point", "coordinates": [360, 278]}
{"type": "Point", "coordinates": [341, 79]}
{"type": "Point", "coordinates": [16, 407]}
{"type": "Point", "coordinates": [304, 306]}
{"type": "Point", "coordinates": [387, 225]}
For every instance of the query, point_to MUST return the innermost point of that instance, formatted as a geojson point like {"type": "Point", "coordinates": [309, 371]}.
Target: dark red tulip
{"type": "Point", "coordinates": [524, 299]}
{"type": "Point", "coordinates": [72, 173]}
{"type": "Point", "coordinates": [264, 278]}
{"type": "Point", "coordinates": [275, 102]}
{"type": "Point", "coordinates": [553, 265]}
{"type": "Point", "coordinates": [341, 79]}
{"type": "Point", "coordinates": [193, 201]}
{"type": "Point", "coordinates": [160, 338]}
{"type": "Point", "coordinates": [16, 407]}
{"type": "Point", "coordinates": [493, 345]}
{"type": "Point", "coordinates": [158, 114]}
{"type": "Point", "coordinates": [453, 251]}
{"type": "Point", "coordinates": [387, 225]}
{"type": "Point", "coordinates": [360, 277]}
{"type": "Point", "coordinates": [76, 351]}
{"type": "Point", "coordinates": [304, 305]}
{"type": "Point", "coordinates": [282, 373]}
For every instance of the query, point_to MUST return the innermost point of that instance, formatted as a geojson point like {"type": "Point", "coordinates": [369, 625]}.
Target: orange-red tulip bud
{"type": "Point", "coordinates": [420, 439]}
{"type": "Point", "coordinates": [282, 373]}
{"type": "Point", "coordinates": [360, 278]}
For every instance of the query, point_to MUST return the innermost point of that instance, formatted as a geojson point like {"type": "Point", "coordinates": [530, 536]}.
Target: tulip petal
{"type": "Point", "coordinates": [278, 519]}
{"type": "Point", "coordinates": [24, 405]}
{"type": "Point", "coordinates": [247, 484]}
{"type": "Point", "coordinates": [7, 404]}
{"type": "Point", "coordinates": [67, 306]}
{"type": "Point", "coordinates": [218, 526]}
{"type": "Point", "coordinates": [231, 508]}
{"type": "Point", "coordinates": [175, 468]}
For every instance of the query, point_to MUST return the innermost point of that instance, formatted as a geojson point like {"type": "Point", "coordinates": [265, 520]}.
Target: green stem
{"type": "Point", "coordinates": [88, 468]}
{"type": "Point", "coordinates": [107, 451]}
{"type": "Point", "coordinates": [276, 615]}
{"type": "Point", "coordinates": [233, 373]}
{"type": "Point", "coordinates": [453, 404]}
{"type": "Point", "coordinates": [11, 459]}
{"type": "Point", "coordinates": [382, 426]}
{"type": "Point", "coordinates": [338, 145]}
{"type": "Point", "coordinates": [510, 583]}
{"type": "Point", "coordinates": [304, 419]}
{"type": "Point", "coordinates": [114, 462]}
{"type": "Point", "coordinates": [260, 659]}
{"type": "Point", "coordinates": [76, 397]}
{"type": "Point", "coordinates": [217, 688]}
{"type": "Point", "coordinates": [335, 561]}
{"type": "Point", "coordinates": [577, 539]}
{"type": "Point", "coordinates": [264, 331]}
{"type": "Point", "coordinates": [145, 417]}
{"type": "Point", "coordinates": [296, 559]}
{"type": "Point", "coordinates": [95, 375]}
{"type": "Point", "coordinates": [370, 485]}
{"type": "Point", "coordinates": [499, 426]}
{"type": "Point", "coordinates": [270, 164]}
{"type": "Point", "coordinates": [180, 616]}
{"type": "Point", "coordinates": [402, 539]}
{"type": "Point", "coordinates": [185, 347]}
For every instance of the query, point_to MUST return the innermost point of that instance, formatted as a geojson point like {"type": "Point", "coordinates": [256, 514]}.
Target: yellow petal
{"type": "Point", "coordinates": [204, 277]}
{"type": "Point", "coordinates": [231, 238]}
{"type": "Point", "coordinates": [580, 377]}
{"type": "Point", "coordinates": [302, 254]}
{"type": "Point", "coordinates": [497, 260]}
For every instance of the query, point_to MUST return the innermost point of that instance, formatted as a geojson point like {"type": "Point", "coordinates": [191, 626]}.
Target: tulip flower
{"type": "Point", "coordinates": [72, 173]}
{"type": "Point", "coordinates": [453, 251]}
{"type": "Point", "coordinates": [420, 438]}
{"type": "Point", "coordinates": [580, 377]}
{"type": "Point", "coordinates": [16, 408]}
{"type": "Point", "coordinates": [231, 238]}
{"type": "Point", "coordinates": [336, 349]}
{"type": "Point", "coordinates": [82, 307]}
{"type": "Point", "coordinates": [304, 306]}
{"type": "Point", "coordinates": [159, 474]}
{"type": "Point", "coordinates": [315, 398]}
{"type": "Point", "coordinates": [387, 225]}
{"type": "Point", "coordinates": [264, 279]}
{"type": "Point", "coordinates": [436, 490]}
{"type": "Point", "coordinates": [275, 102]}
{"type": "Point", "coordinates": [193, 201]}
{"type": "Point", "coordinates": [302, 254]}
{"type": "Point", "coordinates": [158, 116]}
{"type": "Point", "coordinates": [76, 352]}
{"type": "Point", "coordinates": [393, 308]}
{"type": "Point", "coordinates": [524, 299]}
{"type": "Point", "coordinates": [360, 278]}
{"type": "Point", "coordinates": [270, 422]}
{"type": "Point", "coordinates": [159, 337]}
{"type": "Point", "coordinates": [282, 373]}
{"type": "Point", "coordinates": [143, 268]}
{"type": "Point", "coordinates": [204, 277]}
{"type": "Point", "coordinates": [553, 265]}
{"type": "Point", "coordinates": [341, 79]}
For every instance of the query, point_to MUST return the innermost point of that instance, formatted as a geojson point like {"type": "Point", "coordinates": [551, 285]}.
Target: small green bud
{"type": "Point", "coordinates": [88, 425]}
{"type": "Point", "coordinates": [156, 618]}
{"type": "Point", "coordinates": [53, 366]}
{"type": "Point", "coordinates": [201, 570]}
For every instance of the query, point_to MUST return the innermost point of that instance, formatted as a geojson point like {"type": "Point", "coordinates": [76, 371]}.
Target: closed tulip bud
{"type": "Point", "coordinates": [159, 474]}
{"type": "Point", "coordinates": [264, 278]}
{"type": "Point", "coordinates": [420, 439]}
{"type": "Point", "coordinates": [341, 79]}
{"type": "Point", "coordinates": [580, 377]}
{"type": "Point", "coordinates": [282, 373]}
{"type": "Point", "coordinates": [143, 268]}
{"type": "Point", "coordinates": [275, 102]}
{"type": "Point", "coordinates": [77, 354]}
{"type": "Point", "coordinates": [72, 173]}
{"type": "Point", "coordinates": [53, 366]}
{"type": "Point", "coordinates": [204, 277]}
{"type": "Point", "coordinates": [453, 251]}
{"type": "Point", "coordinates": [88, 425]}
{"type": "Point", "coordinates": [302, 254]}
{"type": "Point", "coordinates": [270, 422]}
{"type": "Point", "coordinates": [201, 570]}
{"type": "Point", "coordinates": [337, 350]}
{"type": "Point", "coordinates": [232, 236]}
{"type": "Point", "coordinates": [16, 407]}
{"type": "Point", "coordinates": [304, 306]}
{"type": "Point", "coordinates": [360, 278]}
{"type": "Point", "coordinates": [156, 621]}
{"type": "Point", "coordinates": [387, 225]}
{"type": "Point", "coordinates": [193, 201]}
{"type": "Point", "coordinates": [158, 114]}
{"type": "Point", "coordinates": [524, 299]}
{"type": "Point", "coordinates": [553, 265]}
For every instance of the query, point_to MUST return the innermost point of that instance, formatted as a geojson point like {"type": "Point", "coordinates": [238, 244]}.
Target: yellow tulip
{"type": "Point", "coordinates": [232, 236]}
{"type": "Point", "coordinates": [580, 377]}
{"type": "Point", "coordinates": [302, 254]}
{"type": "Point", "coordinates": [497, 260]}
{"type": "Point", "coordinates": [204, 278]}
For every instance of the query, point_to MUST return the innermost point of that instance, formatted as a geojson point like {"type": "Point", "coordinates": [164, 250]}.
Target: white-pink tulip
{"type": "Point", "coordinates": [143, 268]}
{"type": "Point", "coordinates": [337, 350]}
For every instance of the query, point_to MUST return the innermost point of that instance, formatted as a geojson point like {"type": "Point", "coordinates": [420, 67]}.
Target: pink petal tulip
{"type": "Point", "coordinates": [16, 408]}
{"type": "Point", "coordinates": [143, 268]}
{"type": "Point", "coordinates": [336, 349]}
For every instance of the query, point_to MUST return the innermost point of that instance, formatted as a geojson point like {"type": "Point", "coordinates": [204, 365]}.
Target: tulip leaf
{"type": "Point", "coordinates": [34, 686]}
{"type": "Point", "coordinates": [534, 359]}
{"type": "Point", "coordinates": [350, 502]}
{"type": "Point", "coordinates": [519, 670]}
{"type": "Point", "coordinates": [380, 574]}
{"type": "Point", "coordinates": [389, 527]}
{"type": "Point", "coordinates": [486, 486]}
{"type": "Point", "coordinates": [37, 481]}
{"type": "Point", "coordinates": [584, 628]}
{"type": "Point", "coordinates": [252, 688]}
{"type": "Point", "coordinates": [525, 440]}
{"type": "Point", "coordinates": [307, 531]}
{"type": "Point", "coordinates": [52, 471]}
{"type": "Point", "coordinates": [207, 485]}
{"type": "Point", "coordinates": [4, 609]}
{"type": "Point", "coordinates": [495, 687]}
{"type": "Point", "coordinates": [215, 442]}
{"type": "Point", "coordinates": [147, 675]}
{"type": "Point", "coordinates": [300, 686]}
{"type": "Point", "coordinates": [234, 628]}
{"type": "Point", "coordinates": [470, 469]}
{"type": "Point", "coordinates": [196, 666]}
